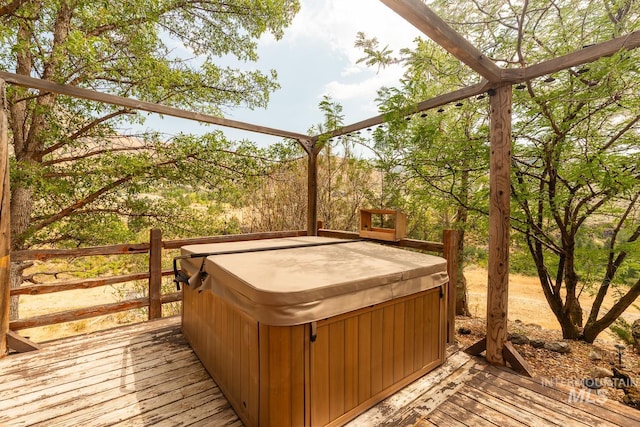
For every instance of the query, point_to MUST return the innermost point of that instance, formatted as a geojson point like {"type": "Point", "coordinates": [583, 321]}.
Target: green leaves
{"type": "Point", "coordinates": [67, 155]}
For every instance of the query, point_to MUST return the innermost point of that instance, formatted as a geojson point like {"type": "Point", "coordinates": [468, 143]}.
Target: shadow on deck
{"type": "Point", "coordinates": [147, 374]}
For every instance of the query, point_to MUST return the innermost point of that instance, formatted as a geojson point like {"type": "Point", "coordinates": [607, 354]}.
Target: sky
{"type": "Point", "coordinates": [316, 57]}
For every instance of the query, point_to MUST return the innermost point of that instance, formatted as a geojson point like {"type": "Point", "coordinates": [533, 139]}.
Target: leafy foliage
{"type": "Point", "coordinates": [575, 157]}
{"type": "Point", "coordinates": [73, 178]}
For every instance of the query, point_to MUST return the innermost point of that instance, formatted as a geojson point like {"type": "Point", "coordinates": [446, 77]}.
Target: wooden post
{"type": "Point", "coordinates": [499, 222]}
{"type": "Point", "coordinates": [450, 241]}
{"type": "Point", "coordinates": [5, 226]}
{"type": "Point", "coordinates": [155, 273]}
{"type": "Point", "coordinates": [312, 192]}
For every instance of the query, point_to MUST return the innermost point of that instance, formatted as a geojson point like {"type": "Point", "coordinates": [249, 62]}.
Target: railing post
{"type": "Point", "coordinates": [450, 241]}
{"type": "Point", "coordinates": [312, 192]}
{"type": "Point", "coordinates": [155, 273]}
{"type": "Point", "coordinates": [5, 227]}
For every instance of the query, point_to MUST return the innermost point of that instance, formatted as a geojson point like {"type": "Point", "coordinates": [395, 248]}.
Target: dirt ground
{"type": "Point", "coordinates": [527, 302]}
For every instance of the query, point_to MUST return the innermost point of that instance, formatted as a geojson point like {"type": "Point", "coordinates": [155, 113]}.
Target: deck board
{"type": "Point", "coordinates": [146, 374]}
{"type": "Point", "coordinates": [140, 375]}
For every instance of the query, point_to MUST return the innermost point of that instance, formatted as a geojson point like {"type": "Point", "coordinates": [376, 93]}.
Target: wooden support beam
{"type": "Point", "coordinates": [579, 57]}
{"type": "Point", "coordinates": [21, 344]}
{"type": "Point", "coordinates": [450, 241]}
{"type": "Point", "coordinates": [312, 193]}
{"type": "Point", "coordinates": [516, 361]}
{"type": "Point", "coordinates": [5, 230]}
{"type": "Point", "coordinates": [509, 353]}
{"type": "Point", "coordinates": [423, 18]}
{"type": "Point", "coordinates": [76, 92]}
{"type": "Point", "coordinates": [155, 273]}
{"type": "Point", "coordinates": [428, 104]}
{"type": "Point", "coordinates": [499, 222]}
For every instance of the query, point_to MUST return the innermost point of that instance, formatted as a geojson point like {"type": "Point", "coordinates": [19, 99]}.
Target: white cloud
{"type": "Point", "coordinates": [335, 23]}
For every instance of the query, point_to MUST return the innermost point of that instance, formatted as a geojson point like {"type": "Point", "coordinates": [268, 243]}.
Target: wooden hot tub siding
{"type": "Point", "coordinates": [275, 375]}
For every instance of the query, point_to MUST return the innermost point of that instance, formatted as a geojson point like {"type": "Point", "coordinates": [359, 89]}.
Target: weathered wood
{"type": "Point", "coordinates": [146, 374]}
{"type": "Point", "coordinates": [177, 244]}
{"type": "Point", "coordinates": [20, 343]}
{"type": "Point", "coordinates": [45, 254]}
{"type": "Point", "coordinates": [312, 193]}
{"type": "Point", "coordinates": [517, 362]}
{"type": "Point", "coordinates": [78, 314]}
{"type": "Point", "coordinates": [477, 348]}
{"type": "Point", "coordinates": [499, 222]}
{"type": "Point", "coordinates": [157, 379]}
{"type": "Point", "coordinates": [47, 288]}
{"type": "Point", "coordinates": [155, 273]}
{"type": "Point", "coordinates": [579, 57]}
{"type": "Point", "coordinates": [77, 92]}
{"type": "Point", "coordinates": [174, 297]}
{"type": "Point", "coordinates": [423, 18]}
{"type": "Point", "coordinates": [5, 230]}
{"type": "Point", "coordinates": [450, 241]}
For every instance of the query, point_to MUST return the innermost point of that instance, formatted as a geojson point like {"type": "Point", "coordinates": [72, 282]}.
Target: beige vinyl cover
{"type": "Point", "coordinates": [287, 287]}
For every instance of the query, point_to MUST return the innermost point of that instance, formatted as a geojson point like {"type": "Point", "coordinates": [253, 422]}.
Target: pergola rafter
{"type": "Point", "coordinates": [495, 80]}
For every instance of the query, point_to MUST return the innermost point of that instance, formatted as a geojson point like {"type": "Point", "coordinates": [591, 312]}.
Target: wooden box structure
{"type": "Point", "coordinates": [314, 335]}
{"type": "Point", "coordinates": [369, 230]}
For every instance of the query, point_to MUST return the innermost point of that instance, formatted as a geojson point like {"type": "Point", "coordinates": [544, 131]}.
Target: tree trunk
{"type": "Point", "coordinates": [16, 281]}
{"type": "Point", "coordinates": [462, 300]}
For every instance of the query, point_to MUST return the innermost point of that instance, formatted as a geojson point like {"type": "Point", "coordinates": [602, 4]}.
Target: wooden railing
{"type": "Point", "coordinates": [154, 299]}
{"type": "Point", "coordinates": [154, 248]}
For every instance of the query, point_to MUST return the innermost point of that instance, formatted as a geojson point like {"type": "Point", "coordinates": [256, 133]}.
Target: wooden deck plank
{"type": "Point", "coordinates": [72, 361]}
{"type": "Point", "coordinates": [607, 413]}
{"type": "Point", "coordinates": [69, 379]}
{"type": "Point", "coordinates": [130, 374]}
{"type": "Point", "coordinates": [179, 408]}
{"type": "Point", "coordinates": [518, 415]}
{"type": "Point", "coordinates": [82, 345]}
{"type": "Point", "coordinates": [422, 396]}
{"type": "Point", "coordinates": [552, 408]}
{"type": "Point", "coordinates": [148, 375]}
{"type": "Point", "coordinates": [59, 404]}
{"type": "Point", "coordinates": [111, 412]}
{"type": "Point", "coordinates": [466, 416]}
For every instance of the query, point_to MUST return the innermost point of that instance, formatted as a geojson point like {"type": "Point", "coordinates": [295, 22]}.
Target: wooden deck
{"type": "Point", "coordinates": [147, 375]}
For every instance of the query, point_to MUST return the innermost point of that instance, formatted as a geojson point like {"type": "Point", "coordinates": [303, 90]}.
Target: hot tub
{"type": "Point", "coordinates": [313, 335]}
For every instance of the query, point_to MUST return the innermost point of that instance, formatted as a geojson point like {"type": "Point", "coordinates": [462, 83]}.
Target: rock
{"type": "Point", "coordinates": [534, 325]}
{"type": "Point", "coordinates": [622, 379]}
{"type": "Point", "coordinates": [518, 339]}
{"type": "Point", "coordinates": [635, 333]}
{"type": "Point", "coordinates": [632, 397]}
{"type": "Point", "coordinates": [558, 346]}
{"type": "Point", "coordinates": [535, 343]}
{"type": "Point", "coordinates": [600, 372]}
{"type": "Point", "coordinates": [595, 355]}
{"type": "Point", "coordinates": [464, 331]}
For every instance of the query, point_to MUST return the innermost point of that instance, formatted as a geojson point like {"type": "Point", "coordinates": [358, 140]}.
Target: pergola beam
{"type": "Point", "coordinates": [423, 18]}
{"type": "Point", "coordinates": [135, 104]}
{"type": "Point", "coordinates": [579, 57]}
{"type": "Point", "coordinates": [438, 101]}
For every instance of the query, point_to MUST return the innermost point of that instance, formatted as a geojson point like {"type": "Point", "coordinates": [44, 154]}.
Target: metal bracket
{"type": "Point", "coordinates": [314, 331]}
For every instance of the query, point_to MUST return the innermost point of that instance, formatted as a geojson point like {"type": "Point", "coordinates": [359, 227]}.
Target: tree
{"type": "Point", "coordinates": [576, 156]}
{"type": "Point", "coordinates": [344, 182]}
{"type": "Point", "coordinates": [67, 172]}
{"type": "Point", "coordinates": [435, 161]}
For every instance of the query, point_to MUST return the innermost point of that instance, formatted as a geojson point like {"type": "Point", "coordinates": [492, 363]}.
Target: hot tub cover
{"type": "Point", "coordinates": [287, 287]}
